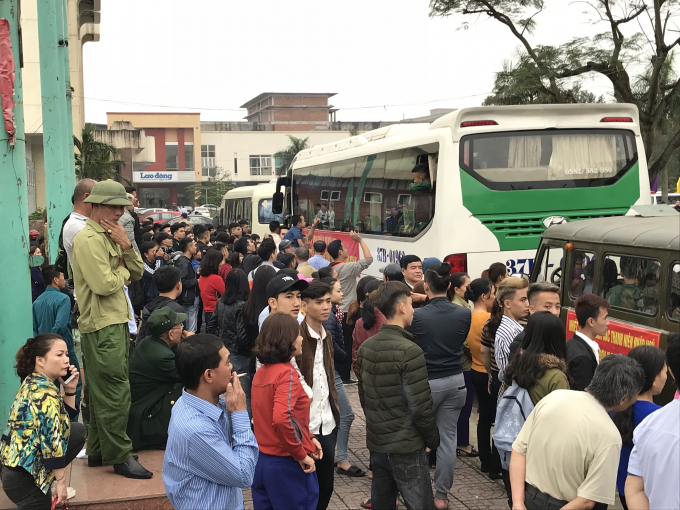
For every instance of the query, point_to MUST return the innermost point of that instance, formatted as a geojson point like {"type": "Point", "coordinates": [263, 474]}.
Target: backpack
{"type": "Point", "coordinates": [513, 410]}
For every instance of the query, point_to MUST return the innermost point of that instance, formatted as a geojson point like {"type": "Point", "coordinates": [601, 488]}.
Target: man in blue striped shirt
{"type": "Point", "coordinates": [207, 463]}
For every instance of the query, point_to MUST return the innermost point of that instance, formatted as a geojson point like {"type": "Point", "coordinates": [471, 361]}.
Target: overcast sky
{"type": "Point", "coordinates": [214, 55]}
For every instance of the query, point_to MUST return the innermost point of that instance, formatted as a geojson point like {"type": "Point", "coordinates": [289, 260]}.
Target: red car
{"type": "Point", "coordinates": [159, 217]}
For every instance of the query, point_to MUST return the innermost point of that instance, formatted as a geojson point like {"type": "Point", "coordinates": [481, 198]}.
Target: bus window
{"type": "Point", "coordinates": [674, 292]}
{"type": "Point", "coordinates": [632, 283]}
{"type": "Point", "coordinates": [548, 159]}
{"type": "Point", "coordinates": [264, 212]}
{"type": "Point", "coordinates": [581, 273]}
{"type": "Point", "coordinates": [550, 264]}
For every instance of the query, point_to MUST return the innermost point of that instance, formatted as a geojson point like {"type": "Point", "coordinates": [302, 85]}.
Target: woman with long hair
{"type": "Point", "coordinates": [540, 366]}
{"type": "Point", "coordinates": [653, 362]}
{"type": "Point", "coordinates": [456, 294]}
{"type": "Point", "coordinates": [482, 293]}
{"type": "Point", "coordinates": [370, 318]}
{"type": "Point", "coordinates": [35, 263]}
{"type": "Point", "coordinates": [228, 323]}
{"type": "Point", "coordinates": [210, 283]}
{"type": "Point", "coordinates": [285, 476]}
{"type": "Point", "coordinates": [40, 441]}
{"type": "Point", "coordinates": [440, 329]}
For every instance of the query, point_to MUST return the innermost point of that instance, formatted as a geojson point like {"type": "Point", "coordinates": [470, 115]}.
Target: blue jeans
{"type": "Point", "coordinates": [280, 484]}
{"type": "Point", "coordinates": [192, 316]}
{"type": "Point", "coordinates": [346, 418]}
{"type": "Point", "coordinates": [241, 364]}
{"type": "Point", "coordinates": [407, 474]}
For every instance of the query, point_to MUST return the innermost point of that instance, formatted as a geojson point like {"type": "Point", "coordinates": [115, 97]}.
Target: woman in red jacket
{"type": "Point", "coordinates": [210, 283]}
{"type": "Point", "coordinates": [284, 475]}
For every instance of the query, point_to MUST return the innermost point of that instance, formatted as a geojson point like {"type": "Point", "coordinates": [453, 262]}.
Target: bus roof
{"type": "Point", "coordinates": [506, 118]}
{"type": "Point", "coordinates": [644, 232]}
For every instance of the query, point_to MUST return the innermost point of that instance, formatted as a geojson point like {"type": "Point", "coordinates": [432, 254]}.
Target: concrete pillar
{"type": "Point", "coordinates": [58, 189]}
{"type": "Point", "coordinates": [62, 15]}
{"type": "Point", "coordinates": [16, 317]}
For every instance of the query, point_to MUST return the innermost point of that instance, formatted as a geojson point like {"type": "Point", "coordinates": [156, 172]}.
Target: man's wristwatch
{"type": "Point", "coordinates": [70, 394]}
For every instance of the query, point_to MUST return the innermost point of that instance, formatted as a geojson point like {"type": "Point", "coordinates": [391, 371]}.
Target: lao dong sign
{"type": "Point", "coordinates": [145, 176]}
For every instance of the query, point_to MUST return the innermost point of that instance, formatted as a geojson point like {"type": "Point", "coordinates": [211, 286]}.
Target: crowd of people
{"type": "Point", "coordinates": [233, 353]}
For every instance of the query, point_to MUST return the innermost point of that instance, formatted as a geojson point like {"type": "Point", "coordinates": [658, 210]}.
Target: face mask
{"type": "Point", "coordinates": [36, 260]}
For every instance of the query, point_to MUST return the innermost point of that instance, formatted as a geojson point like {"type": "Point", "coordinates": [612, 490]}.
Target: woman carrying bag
{"type": "Point", "coordinates": [40, 440]}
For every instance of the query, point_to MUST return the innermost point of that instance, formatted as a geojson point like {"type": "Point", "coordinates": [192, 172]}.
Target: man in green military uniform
{"type": "Point", "coordinates": [103, 260]}
{"type": "Point", "coordinates": [155, 384]}
{"type": "Point", "coordinates": [627, 295]}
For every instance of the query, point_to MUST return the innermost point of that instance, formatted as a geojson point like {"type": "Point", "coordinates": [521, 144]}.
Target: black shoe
{"type": "Point", "coordinates": [96, 461]}
{"type": "Point", "coordinates": [496, 476]}
{"type": "Point", "coordinates": [132, 469]}
{"type": "Point", "coordinates": [350, 382]}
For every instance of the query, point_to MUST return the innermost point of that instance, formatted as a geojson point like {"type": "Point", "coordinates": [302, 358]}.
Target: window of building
{"type": "Point", "coordinates": [189, 157]}
{"type": "Point", "coordinates": [171, 156]}
{"type": "Point", "coordinates": [550, 264]}
{"type": "Point", "coordinates": [367, 193]}
{"type": "Point", "coordinates": [208, 166]}
{"type": "Point", "coordinates": [631, 283]}
{"type": "Point", "coordinates": [548, 159]}
{"type": "Point", "coordinates": [260, 165]}
{"type": "Point", "coordinates": [581, 273]}
{"type": "Point", "coordinates": [674, 292]}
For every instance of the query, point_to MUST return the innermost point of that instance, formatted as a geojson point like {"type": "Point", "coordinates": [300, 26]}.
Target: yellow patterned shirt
{"type": "Point", "coordinates": [38, 430]}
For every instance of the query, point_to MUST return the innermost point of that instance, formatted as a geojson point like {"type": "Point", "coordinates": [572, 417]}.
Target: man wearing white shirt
{"type": "Point", "coordinates": [654, 466]}
{"type": "Point", "coordinates": [583, 352]}
{"type": "Point", "coordinates": [81, 212]}
{"type": "Point", "coordinates": [317, 367]}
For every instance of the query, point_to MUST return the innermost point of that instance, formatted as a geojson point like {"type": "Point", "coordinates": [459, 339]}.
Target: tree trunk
{"type": "Point", "coordinates": [647, 133]}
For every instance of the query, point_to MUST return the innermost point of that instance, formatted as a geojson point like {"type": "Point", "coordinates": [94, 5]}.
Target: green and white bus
{"type": "Point", "coordinates": [499, 176]}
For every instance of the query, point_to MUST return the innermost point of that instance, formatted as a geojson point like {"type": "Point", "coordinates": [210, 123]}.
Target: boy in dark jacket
{"type": "Point", "coordinates": [394, 390]}
{"type": "Point", "coordinates": [189, 296]}
{"type": "Point", "coordinates": [168, 281]}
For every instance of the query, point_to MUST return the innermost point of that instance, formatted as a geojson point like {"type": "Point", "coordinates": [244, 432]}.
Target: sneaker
{"type": "Point", "coordinates": [70, 493]}
{"type": "Point", "coordinates": [350, 382]}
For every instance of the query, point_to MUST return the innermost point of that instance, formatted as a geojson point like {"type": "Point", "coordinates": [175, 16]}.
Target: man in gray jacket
{"type": "Point", "coordinates": [395, 394]}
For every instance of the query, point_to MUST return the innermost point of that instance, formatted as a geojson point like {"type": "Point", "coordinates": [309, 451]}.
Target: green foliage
{"type": "Point", "coordinates": [96, 160]}
{"type": "Point", "coordinates": [212, 189]}
{"type": "Point", "coordinates": [634, 52]}
{"type": "Point", "coordinates": [353, 131]}
{"type": "Point", "coordinates": [287, 155]}
{"type": "Point", "coordinates": [38, 215]}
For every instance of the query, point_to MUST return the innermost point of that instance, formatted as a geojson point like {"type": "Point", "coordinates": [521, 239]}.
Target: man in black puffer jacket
{"type": "Point", "coordinates": [395, 393]}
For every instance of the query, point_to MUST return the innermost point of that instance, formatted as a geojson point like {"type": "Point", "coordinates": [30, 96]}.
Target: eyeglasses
{"type": "Point", "coordinates": [180, 327]}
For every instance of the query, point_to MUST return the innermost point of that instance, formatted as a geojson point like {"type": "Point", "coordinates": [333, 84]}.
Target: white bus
{"type": "Point", "coordinates": [253, 203]}
{"type": "Point", "coordinates": [498, 177]}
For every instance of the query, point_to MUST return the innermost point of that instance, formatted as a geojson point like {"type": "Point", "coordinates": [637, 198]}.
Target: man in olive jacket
{"type": "Point", "coordinates": [155, 384]}
{"type": "Point", "coordinates": [395, 394]}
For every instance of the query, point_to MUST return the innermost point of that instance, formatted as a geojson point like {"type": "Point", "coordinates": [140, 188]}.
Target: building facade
{"type": "Point", "coordinates": [164, 180]}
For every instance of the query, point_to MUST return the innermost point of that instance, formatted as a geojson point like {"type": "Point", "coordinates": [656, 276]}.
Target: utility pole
{"type": "Point", "coordinates": [58, 181]}
{"type": "Point", "coordinates": [16, 318]}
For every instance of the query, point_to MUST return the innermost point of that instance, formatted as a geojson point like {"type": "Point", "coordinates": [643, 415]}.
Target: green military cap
{"type": "Point", "coordinates": [108, 193]}
{"type": "Point", "coordinates": [163, 320]}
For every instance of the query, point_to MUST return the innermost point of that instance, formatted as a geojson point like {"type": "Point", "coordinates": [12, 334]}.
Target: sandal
{"type": "Point", "coordinates": [353, 472]}
{"type": "Point", "coordinates": [473, 453]}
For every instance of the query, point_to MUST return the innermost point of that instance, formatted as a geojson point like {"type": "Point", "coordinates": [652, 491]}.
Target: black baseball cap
{"type": "Point", "coordinates": [392, 272]}
{"type": "Point", "coordinates": [162, 236]}
{"type": "Point", "coordinates": [283, 283]}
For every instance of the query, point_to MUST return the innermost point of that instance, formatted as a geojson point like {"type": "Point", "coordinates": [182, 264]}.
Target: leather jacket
{"type": "Point", "coordinates": [227, 323]}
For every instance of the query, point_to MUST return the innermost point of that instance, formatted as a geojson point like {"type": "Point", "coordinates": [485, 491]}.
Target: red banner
{"type": "Point", "coordinates": [328, 236]}
{"type": "Point", "coordinates": [620, 337]}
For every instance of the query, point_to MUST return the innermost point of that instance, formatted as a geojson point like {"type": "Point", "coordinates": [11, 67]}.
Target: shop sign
{"type": "Point", "coordinates": [144, 176]}
{"type": "Point", "coordinates": [620, 338]}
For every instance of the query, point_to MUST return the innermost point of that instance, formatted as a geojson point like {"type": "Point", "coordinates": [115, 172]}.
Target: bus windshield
{"type": "Point", "coordinates": [548, 158]}
{"type": "Point", "coordinates": [376, 194]}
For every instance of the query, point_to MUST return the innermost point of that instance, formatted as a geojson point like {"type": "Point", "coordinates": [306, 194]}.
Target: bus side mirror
{"type": "Point", "coordinates": [277, 203]}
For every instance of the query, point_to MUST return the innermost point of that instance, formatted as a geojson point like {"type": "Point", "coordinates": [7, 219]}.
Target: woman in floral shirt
{"type": "Point", "coordinates": [40, 440]}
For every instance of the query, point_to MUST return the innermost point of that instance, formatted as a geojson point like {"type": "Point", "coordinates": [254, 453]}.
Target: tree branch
{"type": "Point", "coordinates": [640, 10]}
{"type": "Point", "coordinates": [665, 101]}
{"type": "Point", "coordinates": [665, 156]}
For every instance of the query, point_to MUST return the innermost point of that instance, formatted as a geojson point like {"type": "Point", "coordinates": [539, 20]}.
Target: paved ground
{"type": "Point", "coordinates": [472, 489]}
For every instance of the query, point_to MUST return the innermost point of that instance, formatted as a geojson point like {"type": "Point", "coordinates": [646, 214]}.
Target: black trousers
{"type": "Point", "coordinates": [488, 455]}
{"type": "Point", "coordinates": [20, 486]}
{"type": "Point", "coordinates": [325, 470]}
{"type": "Point", "coordinates": [344, 367]}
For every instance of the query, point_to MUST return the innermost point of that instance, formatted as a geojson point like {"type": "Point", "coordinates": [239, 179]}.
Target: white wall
{"type": "Point", "coordinates": [242, 144]}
